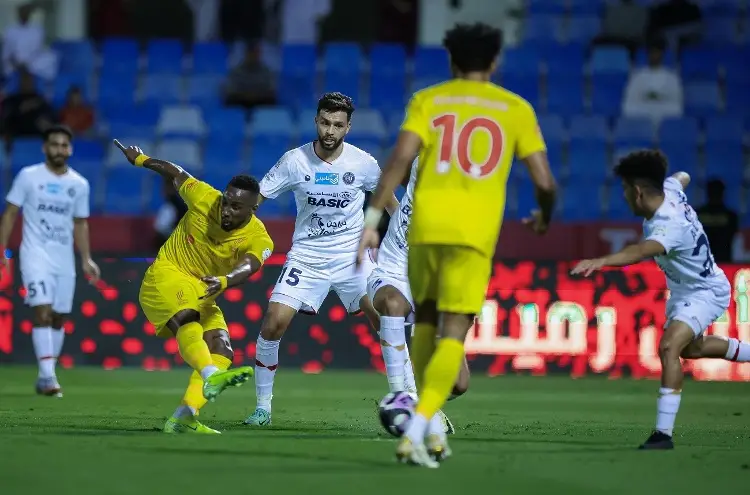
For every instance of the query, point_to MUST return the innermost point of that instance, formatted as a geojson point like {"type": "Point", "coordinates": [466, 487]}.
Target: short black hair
{"type": "Point", "coordinates": [246, 183]}
{"type": "Point", "coordinates": [643, 168]}
{"type": "Point", "coordinates": [336, 102]}
{"type": "Point", "coordinates": [57, 129]}
{"type": "Point", "coordinates": [473, 47]}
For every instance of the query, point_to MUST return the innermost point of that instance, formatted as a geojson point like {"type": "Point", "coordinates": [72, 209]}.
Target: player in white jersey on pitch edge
{"type": "Point", "coordinates": [388, 289]}
{"type": "Point", "coordinates": [55, 203]}
{"type": "Point", "coordinates": [699, 289]}
{"type": "Point", "coordinates": [328, 178]}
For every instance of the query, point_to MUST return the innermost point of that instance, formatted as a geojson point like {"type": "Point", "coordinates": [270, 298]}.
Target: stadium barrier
{"type": "Point", "coordinates": [537, 319]}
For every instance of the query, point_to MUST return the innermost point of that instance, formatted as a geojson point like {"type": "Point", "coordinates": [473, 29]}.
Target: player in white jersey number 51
{"type": "Point", "coordinates": [55, 203]}
{"type": "Point", "coordinates": [699, 289]}
{"type": "Point", "coordinates": [328, 178]}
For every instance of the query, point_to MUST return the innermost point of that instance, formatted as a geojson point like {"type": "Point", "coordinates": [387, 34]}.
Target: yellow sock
{"type": "Point", "coordinates": [439, 376]}
{"type": "Point", "coordinates": [193, 348]}
{"type": "Point", "coordinates": [193, 397]}
{"type": "Point", "coordinates": [421, 349]}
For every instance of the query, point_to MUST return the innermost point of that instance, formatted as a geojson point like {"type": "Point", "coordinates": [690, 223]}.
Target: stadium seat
{"type": "Point", "coordinates": [114, 157]}
{"type": "Point", "coordinates": [205, 90]}
{"type": "Point", "coordinates": [296, 91]}
{"type": "Point", "coordinates": [641, 58]}
{"type": "Point", "coordinates": [306, 126]}
{"type": "Point", "coordinates": [88, 150]}
{"type": "Point", "coordinates": [702, 98]}
{"type": "Point", "coordinates": [164, 56]}
{"type": "Point", "coordinates": [371, 145]}
{"type": "Point", "coordinates": [387, 93]}
{"type": "Point", "coordinates": [679, 130]}
{"type": "Point", "coordinates": [25, 151]}
{"type": "Point", "coordinates": [431, 62]}
{"type": "Point", "coordinates": [582, 29]}
{"type": "Point", "coordinates": [633, 132]}
{"type": "Point", "coordinates": [343, 58]}
{"type": "Point", "coordinates": [218, 176]}
{"type": "Point", "coordinates": [116, 87]}
{"type": "Point", "coordinates": [131, 120]}
{"type": "Point", "coordinates": [725, 159]}
{"type": "Point", "coordinates": [230, 123]}
{"type": "Point", "coordinates": [589, 128]}
{"type": "Point", "coordinates": [563, 60]}
{"type": "Point", "coordinates": [64, 82]}
{"type": "Point", "coordinates": [272, 123]}
{"type": "Point", "coordinates": [348, 83]}
{"type": "Point", "coordinates": [617, 207]}
{"type": "Point", "coordinates": [581, 200]}
{"type": "Point", "coordinates": [210, 59]}
{"type": "Point", "coordinates": [610, 60]}
{"type": "Point", "coordinates": [566, 97]}
{"type": "Point", "coordinates": [76, 57]}
{"type": "Point", "coordinates": [525, 85]}
{"type": "Point", "coordinates": [120, 55]}
{"type": "Point", "coordinates": [264, 155]}
{"type": "Point", "coordinates": [367, 123]}
{"type": "Point", "coordinates": [163, 89]}
{"type": "Point", "coordinates": [184, 152]}
{"type": "Point", "coordinates": [713, 8]}
{"type": "Point", "coordinates": [388, 60]}
{"type": "Point", "coordinates": [181, 121]}
{"type": "Point", "coordinates": [585, 7]}
{"type": "Point", "coordinates": [606, 93]}
{"type": "Point", "coordinates": [521, 60]}
{"type": "Point", "coordinates": [544, 28]}
{"type": "Point", "coordinates": [588, 161]}
{"type": "Point", "coordinates": [553, 128]}
{"type": "Point", "coordinates": [299, 60]}
{"type": "Point", "coordinates": [724, 129]}
{"type": "Point", "coordinates": [721, 30]}
{"type": "Point", "coordinates": [682, 159]}
{"type": "Point", "coordinates": [124, 191]}
{"type": "Point", "coordinates": [224, 154]}
{"type": "Point", "coordinates": [536, 7]}
{"type": "Point", "coordinates": [699, 63]}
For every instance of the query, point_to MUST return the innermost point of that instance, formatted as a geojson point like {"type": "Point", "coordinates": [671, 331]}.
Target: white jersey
{"type": "Point", "coordinates": [329, 197]}
{"type": "Point", "coordinates": [49, 202]}
{"type": "Point", "coordinates": [688, 263]}
{"type": "Point", "coordinates": [394, 250]}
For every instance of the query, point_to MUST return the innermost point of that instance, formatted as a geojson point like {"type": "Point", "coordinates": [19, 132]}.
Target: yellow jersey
{"type": "Point", "coordinates": [470, 132]}
{"type": "Point", "coordinates": [200, 247]}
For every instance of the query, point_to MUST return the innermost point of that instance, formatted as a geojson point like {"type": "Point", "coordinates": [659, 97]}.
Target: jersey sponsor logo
{"type": "Point", "coordinates": [348, 178]}
{"type": "Point", "coordinates": [51, 208]}
{"type": "Point", "coordinates": [54, 188]}
{"type": "Point", "coordinates": [346, 195]}
{"type": "Point", "coordinates": [329, 203]}
{"type": "Point", "coordinates": [181, 298]}
{"type": "Point", "coordinates": [327, 178]}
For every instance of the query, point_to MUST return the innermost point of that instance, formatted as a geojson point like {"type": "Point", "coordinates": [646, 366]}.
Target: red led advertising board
{"type": "Point", "coordinates": [537, 319]}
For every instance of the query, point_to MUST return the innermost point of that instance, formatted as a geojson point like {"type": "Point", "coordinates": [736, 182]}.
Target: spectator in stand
{"type": "Point", "coordinates": [24, 47]}
{"type": "Point", "coordinates": [169, 214]}
{"type": "Point", "coordinates": [300, 20]}
{"type": "Point", "coordinates": [678, 21]}
{"type": "Point", "coordinates": [205, 19]}
{"type": "Point", "coordinates": [654, 91]}
{"type": "Point", "coordinates": [720, 223]}
{"type": "Point", "coordinates": [624, 23]}
{"type": "Point", "coordinates": [76, 113]}
{"type": "Point", "coordinates": [250, 83]}
{"type": "Point", "coordinates": [25, 113]}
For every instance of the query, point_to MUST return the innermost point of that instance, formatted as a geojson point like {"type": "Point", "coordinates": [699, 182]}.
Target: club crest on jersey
{"type": "Point", "coordinates": [327, 178]}
{"type": "Point", "coordinates": [348, 178]}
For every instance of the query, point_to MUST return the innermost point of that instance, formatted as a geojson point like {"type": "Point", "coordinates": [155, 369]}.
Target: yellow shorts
{"type": "Point", "coordinates": [165, 291]}
{"type": "Point", "coordinates": [455, 277]}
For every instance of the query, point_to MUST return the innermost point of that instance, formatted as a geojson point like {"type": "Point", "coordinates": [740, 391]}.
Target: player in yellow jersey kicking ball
{"type": "Point", "coordinates": [219, 243]}
{"type": "Point", "coordinates": [466, 132]}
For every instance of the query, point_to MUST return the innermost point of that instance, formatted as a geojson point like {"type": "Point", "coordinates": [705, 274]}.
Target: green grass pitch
{"type": "Point", "coordinates": [516, 435]}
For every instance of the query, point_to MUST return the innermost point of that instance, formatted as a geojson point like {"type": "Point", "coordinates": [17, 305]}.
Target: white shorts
{"type": "Point", "coordinates": [43, 288]}
{"type": "Point", "coordinates": [699, 309]}
{"type": "Point", "coordinates": [304, 285]}
{"type": "Point", "coordinates": [380, 277]}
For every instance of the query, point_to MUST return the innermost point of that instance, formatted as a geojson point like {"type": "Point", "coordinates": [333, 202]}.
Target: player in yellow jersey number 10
{"type": "Point", "coordinates": [219, 243]}
{"type": "Point", "coordinates": [466, 132]}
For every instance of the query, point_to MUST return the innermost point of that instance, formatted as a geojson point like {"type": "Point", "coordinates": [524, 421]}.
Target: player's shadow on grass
{"type": "Point", "coordinates": [81, 430]}
{"type": "Point", "coordinates": [332, 463]}
{"type": "Point", "coordinates": [590, 447]}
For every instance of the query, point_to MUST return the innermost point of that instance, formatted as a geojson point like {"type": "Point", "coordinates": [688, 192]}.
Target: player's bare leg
{"type": "Point", "coordinates": [275, 323]}
{"type": "Point", "coordinates": [186, 327]}
{"type": "Point", "coordinates": [185, 418]}
{"type": "Point", "coordinates": [713, 346]}
{"type": "Point", "coordinates": [47, 339]}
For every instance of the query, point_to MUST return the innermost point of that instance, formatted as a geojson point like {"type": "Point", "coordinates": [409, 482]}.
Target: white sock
{"type": "Point", "coordinates": [44, 349]}
{"type": "Point", "coordinates": [738, 351]}
{"type": "Point", "coordinates": [184, 411]}
{"type": "Point", "coordinates": [208, 371]}
{"type": "Point", "coordinates": [417, 428]}
{"type": "Point", "coordinates": [409, 381]}
{"type": "Point", "coordinates": [58, 336]}
{"type": "Point", "coordinates": [392, 336]}
{"type": "Point", "coordinates": [667, 406]}
{"type": "Point", "coordinates": [266, 362]}
{"type": "Point", "coordinates": [436, 426]}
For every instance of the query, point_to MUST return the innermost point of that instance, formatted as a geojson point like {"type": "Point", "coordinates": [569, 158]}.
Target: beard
{"type": "Point", "coordinates": [329, 147]}
{"type": "Point", "coordinates": [57, 161]}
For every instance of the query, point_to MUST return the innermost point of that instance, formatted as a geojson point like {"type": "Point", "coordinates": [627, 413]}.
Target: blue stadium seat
{"type": "Point", "coordinates": [117, 87]}
{"type": "Point", "coordinates": [702, 98]}
{"type": "Point", "coordinates": [544, 28]}
{"type": "Point", "coordinates": [76, 57]}
{"type": "Point", "coordinates": [582, 29]}
{"type": "Point", "coordinates": [126, 119]}
{"type": "Point", "coordinates": [368, 123]}
{"type": "Point", "coordinates": [553, 128]}
{"type": "Point", "coordinates": [535, 7]}
{"type": "Point", "coordinates": [218, 176]}
{"type": "Point", "coordinates": [299, 60]}
{"type": "Point", "coordinates": [88, 150]}
{"type": "Point", "coordinates": [713, 8]}
{"type": "Point", "coordinates": [420, 83]}
{"type": "Point", "coordinates": [210, 59]}
{"type": "Point", "coordinates": [738, 100]}
{"type": "Point", "coordinates": [226, 122]}
{"type": "Point", "coordinates": [205, 90]}
{"type": "Point", "coordinates": [162, 89]}
{"type": "Point", "coordinates": [272, 123]}
{"type": "Point", "coordinates": [13, 83]}
{"type": "Point", "coordinates": [343, 58]}
{"type": "Point", "coordinates": [348, 83]}
{"type": "Point", "coordinates": [606, 94]}
{"type": "Point", "coordinates": [563, 60]}
{"type": "Point", "coordinates": [369, 144]}
{"type": "Point", "coordinates": [25, 151]}
{"type": "Point", "coordinates": [184, 152]}
{"type": "Point", "coordinates": [181, 121]}
{"type": "Point", "coordinates": [388, 60]}
{"type": "Point", "coordinates": [264, 155]}
{"type": "Point", "coordinates": [721, 30]}
{"type": "Point", "coordinates": [297, 91]}
{"type": "Point", "coordinates": [387, 92]}
{"type": "Point", "coordinates": [682, 158]}
{"type": "Point", "coordinates": [725, 159]}
{"type": "Point", "coordinates": [588, 129]}
{"type": "Point", "coordinates": [724, 129]}
{"type": "Point", "coordinates": [124, 191]}
{"type": "Point", "coordinates": [581, 200]}
{"type": "Point", "coordinates": [634, 132]}
{"type": "Point", "coordinates": [164, 56]}
{"type": "Point", "coordinates": [306, 125]}
{"type": "Point", "coordinates": [566, 97]}
{"type": "Point", "coordinates": [699, 63]}
{"type": "Point", "coordinates": [521, 60]}
{"type": "Point", "coordinates": [119, 55]}
{"type": "Point", "coordinates": [641, 58]}
{"type": "Point", "coordinates": [63, 82]}
{"type": "Point", "coordinates": [586, 7]}
{"type": "Point", "coordinates": [679, 130]}
{"type": "Point", "coordinates": [588, 161]}
{"type": "Point", "coordinates": [223, 154]}
{"type": "Point", "coordinates": [525, 85]}
{"type": "Point", "coordinates": [431, 62]}
{"type": "Point", "coordinates": [617, 207]}
{"type": "Point", "coordinates": [610, 60]}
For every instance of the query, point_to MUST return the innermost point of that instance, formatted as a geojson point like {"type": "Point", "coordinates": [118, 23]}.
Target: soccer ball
{"type": "Point", "coordinates": [395, 411]}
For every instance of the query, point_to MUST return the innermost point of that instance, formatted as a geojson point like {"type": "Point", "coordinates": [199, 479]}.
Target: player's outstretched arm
{"type": "Point", "coordinates": [630, 255]}
{"type": "Point", "coordinates": [7, 223]}
{"type": "Point", "coordinates": [683, 178]}
{"type": "Point", "coordinates": [164, 168]}
{"type": "Point", "coordinates": [246, 267]}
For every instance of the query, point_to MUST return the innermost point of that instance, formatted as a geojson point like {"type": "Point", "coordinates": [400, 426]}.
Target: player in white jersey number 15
{"type": "Point", "coordinates": [55, 203]}
{"type": "Point", "coordinates": [328, 178]}
{"type": "Point", "coordinates": [388, 288]}
{"type": "Point", "coordinates": [699, 289]}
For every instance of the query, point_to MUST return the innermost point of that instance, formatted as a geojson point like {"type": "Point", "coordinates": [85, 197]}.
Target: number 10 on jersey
{"type": "Point", "coordinates": [456, 144]}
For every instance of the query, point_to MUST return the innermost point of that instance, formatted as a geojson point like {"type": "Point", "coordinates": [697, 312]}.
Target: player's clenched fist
{"type": "Point", "coordinates": [131, 152]}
